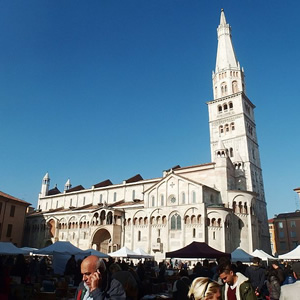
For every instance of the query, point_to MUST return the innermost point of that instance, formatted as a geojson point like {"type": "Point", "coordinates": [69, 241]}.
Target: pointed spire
{"type": "Point", "coordinates": [46, 177]}
{"type": "Point", "coordinates": [225, 55]}
{"type": "Point", "coordinates": [68, 184]}
{"type": "Point", "coordinates": [222, 18]}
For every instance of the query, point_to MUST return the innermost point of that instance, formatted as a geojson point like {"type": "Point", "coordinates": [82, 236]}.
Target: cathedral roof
{"type": "Point", "coordinates": [130, 203]}
{"type": "Point", "coordinates": [135, 178]}
{"type": "Point", "coordinates": [53, 191]}
{"type": "Point", "coordinates": [104, 183]}
{"type": "Point", "coordinates": [75, 189]}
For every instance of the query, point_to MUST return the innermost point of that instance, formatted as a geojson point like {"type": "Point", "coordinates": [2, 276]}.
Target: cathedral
{"type": "Point", "coordinates": [221, 203]}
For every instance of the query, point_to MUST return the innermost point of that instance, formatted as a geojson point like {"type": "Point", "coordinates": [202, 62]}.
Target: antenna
{"type": "Point", "coordinates": [297, 202]}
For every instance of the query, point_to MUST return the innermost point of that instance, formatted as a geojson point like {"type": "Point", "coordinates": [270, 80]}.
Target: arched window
{"type": "Point", "coordinates": [153, 201]}
{"type": "Point", "coordinates": [199, 219]}
{"type": "Point", "coordinates": [213, 222]}
{"type": "Point", "coordinates": [230, 105]}
{"type": "Point", "coordinates": [234, 87]}
{"type": "Point", "coordinates": [133, 194]}
{"type": "Point", "coordinates": [175, 222]}
{"type": "Point", "coordinates": [219, 108]}
{"type": "Point", "coordinates": [221, 129]}
{"type": "Point", "coordinates": [194, 197]}
{"type": "Point", "coordinates": [194, 232]}
{"type": "Point", "coordinates": [187, 220]}
{"type": "Point", "coordinates": [234, 206]}
{"type": "Point", "coordinates": [183, 197]}
{"type": "Point", "coordinates": [231, 152]}
{"type": "Point", "coordinates": [162, 200]}
{"type": "Point", "coordinates": [139, 235]}
{"type": "Point", "coordinates": [240, 207]}
{"type": "Point", "coordinates": [225, 106]}
{"type": "Point", "coordinates": [226, 127]}
{"type": "Point", "coordinates": [115, 196]}
{"type": "Point", "coordinates": [100, 198]}
{"type": "Point", "coordinates": [193, 219]}
{"type": "Point", "coordinates": [232, 127]}
{"type": "Point", "coordinates": [223, 89]}
{"type": "Point", "coordinates": [216, 92]}
{"type": "Point", "coordinates": [109, 218]}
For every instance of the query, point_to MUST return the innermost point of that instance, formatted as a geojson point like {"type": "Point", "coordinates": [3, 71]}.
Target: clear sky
{"type": "Point", "coordinates": [91, 90]}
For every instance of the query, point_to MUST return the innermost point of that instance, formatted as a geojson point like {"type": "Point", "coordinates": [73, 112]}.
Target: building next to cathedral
{"type": "Point", "coordinates": [221, 203]}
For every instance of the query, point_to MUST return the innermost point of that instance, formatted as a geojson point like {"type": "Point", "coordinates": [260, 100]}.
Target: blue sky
{"type": "Point", "coordinates": [91, 90]}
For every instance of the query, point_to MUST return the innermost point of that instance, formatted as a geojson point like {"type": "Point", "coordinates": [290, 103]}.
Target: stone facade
{"type": "Point", "coordinates": [221, 203]}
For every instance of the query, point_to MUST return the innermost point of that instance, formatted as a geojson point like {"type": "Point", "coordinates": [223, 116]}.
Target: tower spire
{"type": "Point", "coordinates": [225, 55]}
{"type": "Point", "coordinates": [228, 77]}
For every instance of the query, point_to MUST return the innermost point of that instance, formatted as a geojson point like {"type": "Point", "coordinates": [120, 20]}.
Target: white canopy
{"type": "Point", "coordinates": [10, 249]}
{"type": "Point", "coordinates": [262, 255]}
{"type": "Point", "coordinates": [240, 255]}
{"type": "Point", "coordinates": [124, 252]}
{"type": "Point", "coordinates": [142, 253]}
{"type": "Point", "coordinates": [98, 253]}
{"type": "Point", "coordinates": [294, 254]}
{"type": "Point", "coordinates": [61, 247]}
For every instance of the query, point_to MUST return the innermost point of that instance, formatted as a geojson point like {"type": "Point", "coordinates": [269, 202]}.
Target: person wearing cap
{"type": "Point", "coordinates": [292, 291]}
{"type": "Point", "coordinates": [96, 282]}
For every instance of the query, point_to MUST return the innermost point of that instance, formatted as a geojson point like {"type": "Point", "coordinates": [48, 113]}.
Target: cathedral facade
{"type": "Point", "coordinates": [221, 203]}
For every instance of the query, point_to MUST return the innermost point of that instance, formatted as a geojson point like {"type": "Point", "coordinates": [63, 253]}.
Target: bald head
{"type": "Point", "coordinates": [92, 270]}
{"type": "Point", "coordinates": [91, 262]}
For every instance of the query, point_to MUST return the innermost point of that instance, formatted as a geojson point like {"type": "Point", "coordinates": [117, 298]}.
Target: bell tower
{"type": "Point", "coordinates": [232, 122]}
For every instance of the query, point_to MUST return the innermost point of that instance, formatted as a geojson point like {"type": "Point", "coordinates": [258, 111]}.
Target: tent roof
{"type": "Point", "coordinates": [294, 254]}
{"type": "Point", "coordinates": [262, 254]}
{"type": "Point", "coordinates": [62, 248]}
{"type": "Point", "coordinates": [240, 255]}
{"type": "Point", "coordinates": [98, 253]}
{"type": "Point", "coordinates": [124, 252]}
{"type": "Point", "coordinates": [11, 249]}
{"type": "Point", "coordinates": [197, 250]}
{"type": "Point", "coordinates": [143, 253]}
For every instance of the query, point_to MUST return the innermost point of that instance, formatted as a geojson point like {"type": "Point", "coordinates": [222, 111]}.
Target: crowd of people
{"type": "Point", "coordinates": [95, 278]}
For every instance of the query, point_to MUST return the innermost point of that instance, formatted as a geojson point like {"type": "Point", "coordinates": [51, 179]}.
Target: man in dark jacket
{"type": "Point", "coordinates": [236, 285]}
{"type": "Point", "coordinates": [96, 283]}
{"type": "Point", "coordinates": [256, 275]}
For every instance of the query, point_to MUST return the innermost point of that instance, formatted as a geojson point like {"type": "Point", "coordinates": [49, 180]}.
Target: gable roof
{"type": "Point", "coordinates": [104, 183]}
{"type": "Point", "coordinates": [53, 191]}
{"type": "Point", "coordinates": [135, 178]}
{"type": "Point", "coordinates": [7, 196]}
{"type": "Point", "coordinates": [75, 189]}
{"type": "Point", "coordinates": [172, 175]}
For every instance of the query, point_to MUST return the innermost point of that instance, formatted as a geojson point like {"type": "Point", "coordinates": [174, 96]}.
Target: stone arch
{"type": "Point", "coordinates": [51, 225]}
{"type": "Point", "coordinates": [109, 218]}
{"type": "Point", "coordinates": [101, 240]}
{"type": "Point", "coordinates": [102, 217]}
